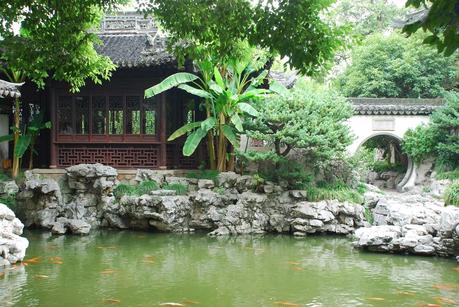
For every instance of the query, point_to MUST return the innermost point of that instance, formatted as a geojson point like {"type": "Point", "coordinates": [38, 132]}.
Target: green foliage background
{"type": "Point", "coordinates": [396, 66]}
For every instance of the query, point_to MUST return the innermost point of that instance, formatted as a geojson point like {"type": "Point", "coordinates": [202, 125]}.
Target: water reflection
{"type": "Point", "coordinates": [139, 269]}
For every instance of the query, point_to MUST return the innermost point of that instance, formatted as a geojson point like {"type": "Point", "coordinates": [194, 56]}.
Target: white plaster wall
{"type": "Point", "coordinates": [4, 130]}
{"type": "Point", "coordinates": [362, 126]}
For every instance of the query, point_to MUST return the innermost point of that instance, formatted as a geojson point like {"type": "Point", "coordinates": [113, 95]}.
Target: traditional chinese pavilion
{"type": "Point", "coordinates": [112, 123]}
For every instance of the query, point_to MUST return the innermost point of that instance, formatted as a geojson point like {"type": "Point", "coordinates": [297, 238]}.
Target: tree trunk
{"type": "Point", "coordinates": [221, 149]}
{"type": "Point", "coordinates": [210, 142]}
{"type": "Point", "coordinates": [32, 145]}
{"type": "Point", "coordinates": [231, 161]}
{"type": "Point", "coordinates": [16, 160]}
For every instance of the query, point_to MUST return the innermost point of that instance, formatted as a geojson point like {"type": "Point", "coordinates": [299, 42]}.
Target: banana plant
{"type": "Point", "coordinates": [228, 91]}
{"type": "Point", "coordinates": [26, 139]}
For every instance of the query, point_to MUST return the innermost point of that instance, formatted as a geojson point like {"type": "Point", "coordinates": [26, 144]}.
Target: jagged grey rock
{"type": "Point", "coordinates": [412, 223]}
{"type": "Point", "coordinates": [12, 245]}
{"type": "Point", "coordinates": [8, 187]}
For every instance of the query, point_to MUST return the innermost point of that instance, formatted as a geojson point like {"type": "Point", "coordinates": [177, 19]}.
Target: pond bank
{"type": "Point", "coordinates": [234, 204]}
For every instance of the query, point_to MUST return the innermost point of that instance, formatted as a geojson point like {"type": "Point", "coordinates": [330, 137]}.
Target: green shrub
{"type": "Point", "coordinates": [451, 175]}
{"type": "Point", "coordinates": [4, 176]}
{"type": "Point", "coordinates": [9, 201]}
{"type": "Point", "coordinates": [452, 194]}
{"type": "Point", "coordinates": [179, 188]}
{"type": "Point", "coordinates": [145, 187]}
{"type": "Point", "coordinates": [419, 142]}
{"type": "Point", "coordinates": [368, 215]}
{"type": "Point", "coordinates": [286, 170]}
{"type": "Point", "coordinates": [123, 189]}
{"type": "Point", "coordinates": [384, 166]}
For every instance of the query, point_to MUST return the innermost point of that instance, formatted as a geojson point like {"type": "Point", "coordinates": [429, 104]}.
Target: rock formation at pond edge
{"type": "Point", "coordinates": [12, 245]}
{"type": "Point", "coordinates": [411, 223]}
{"type": "Point", "coordinates": [235, 204]}
{"type": "Point", "coordinates": [84, 200]}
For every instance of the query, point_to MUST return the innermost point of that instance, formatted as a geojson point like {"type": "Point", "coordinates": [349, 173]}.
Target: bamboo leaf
{"type": "Point", "coordinates": [231, 136]}
{"type": "Point", "coordinates": [236, 120]}
{"type": "Point", "coordinates": [21, 145]}
{"type": "Point", "coordinates": [184, 129]}
{"type": "Point", "coordinates": [5, 138]}
{"type": "Point", "coordinates": [170, 82]}
{"type": "Point", "coordinates": [247, 108]}
{"type": "Point", "coordinates": [193, 141]}
{"type": "Point", "coordinates": [195, 91]}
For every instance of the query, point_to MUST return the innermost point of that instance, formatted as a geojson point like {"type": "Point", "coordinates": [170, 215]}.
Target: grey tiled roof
{"type": "Point", "coordinates": [287, 79]}
{"type": "Point", "coordinates": [130, 40]}
{"type": "Point", "coordinates": [134, 50]}
{"type": "Point", "coordinates": [8, 89]}
{"type": "Point", "coordinates": [394, 106]}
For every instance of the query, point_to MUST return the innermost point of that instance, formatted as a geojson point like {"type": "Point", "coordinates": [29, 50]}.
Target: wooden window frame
{"type": "Point", "coordinates": [106, 137]}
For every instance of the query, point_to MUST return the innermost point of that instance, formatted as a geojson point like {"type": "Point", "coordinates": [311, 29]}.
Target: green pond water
{"type": "Point", "coordinates": [151, 269]}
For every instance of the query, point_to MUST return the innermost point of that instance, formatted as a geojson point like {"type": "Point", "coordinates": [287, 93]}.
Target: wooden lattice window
{"type": "Point", "coordinates": [150, 122]}
{"type": "Point", "coordinates": [99, 111]}
{"type": "Point", "coordinates": [133, 113]}
{"type": "Point", "coordinates": [82, 114]}
{"type": "Point", "coordinates": [64, 115]}
{"type": "Point", "coordinates": [115, 115]}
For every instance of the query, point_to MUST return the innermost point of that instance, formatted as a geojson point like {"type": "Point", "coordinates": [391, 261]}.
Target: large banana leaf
{"type": "Point", "coordinates": [247, 108]}
{"type": "Point", "coordinates": [5, 138]}
{"type": "Point", "coordinates": [236, 120]}
{"type": "Point", "coordinates": [195, 138]}
{"type": "Point", "coordinates": [184, 129]}
{"type": "Point", "coordinates": [195, 91]}
{"type": "Point", "coordinates": [170, 82]}
{"type": "Point", "coordinates": [215, 87]}
{"type": "Point", "coordinates": [22, 144]}
{"type": "Point", "coordinates": [252, 93]}
{"type": "Point", "coordinates": [231, 136]}
{"type": "Point", "coordinates": [208, 124]}
{"type": "Point", "coordinates": [278, 88]}
{"type": "Point", "coordinates": [193, 141]}
{"type": "Point", "coordinates": [218, 78]}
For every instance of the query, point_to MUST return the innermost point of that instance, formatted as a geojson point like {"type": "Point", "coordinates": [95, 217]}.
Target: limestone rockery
{"type": "Point", "coordinates": [84, 200]}
{"type": "Point", "coordinates": [12, 245]}
{"type": "Point", "coordinates": [414, 223]}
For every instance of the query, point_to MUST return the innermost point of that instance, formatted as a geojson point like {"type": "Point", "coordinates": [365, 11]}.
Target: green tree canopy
{"type": "Point", "coordinates": [55, 40]}
{"type": "Point", "coordinates": [440, 18]}
{"type": "Point", "coordinates": [367, 16]}
{"type": "Point", "coordinates": [394, 66]}
{"type": "Point", "coordinates": [50, 38]}
{"type": "Point", "coordinates": [440, 138]}
{"type": "Point", "coordinates": [310, 118]}
{"type": "Point", "coordinates": [288, 28]}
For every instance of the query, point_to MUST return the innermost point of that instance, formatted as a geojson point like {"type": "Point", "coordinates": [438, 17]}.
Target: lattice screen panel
{"type": "Point", "coordinates": [118, 155]}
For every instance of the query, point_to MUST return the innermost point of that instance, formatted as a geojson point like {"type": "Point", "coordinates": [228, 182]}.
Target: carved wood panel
{"type": "Point", "coordinates": [116, 155]}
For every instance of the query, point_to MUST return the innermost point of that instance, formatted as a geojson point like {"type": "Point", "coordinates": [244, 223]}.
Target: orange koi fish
{"type": "Point", "coordinates": [445, 300]}
{"type": "Point", "coordinates": [111, 301]}
{"type": "Point", "coordinates": [376, 299]}
{"type": "Point", "coordinates": [286, 303]}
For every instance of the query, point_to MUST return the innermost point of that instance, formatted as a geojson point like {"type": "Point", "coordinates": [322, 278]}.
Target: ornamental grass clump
{"type": "Point", "coordinates": [180, 189]}
{"type": "Point", "coordinates": [145, 187]}
{"type": "Point", "coordinates": [452, 194]}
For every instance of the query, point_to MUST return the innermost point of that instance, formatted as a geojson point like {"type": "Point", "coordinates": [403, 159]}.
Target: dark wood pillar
{"type": "Point", "coordinates": [53, 118]}
{"type": "Point", "coordinates": [162, 133]}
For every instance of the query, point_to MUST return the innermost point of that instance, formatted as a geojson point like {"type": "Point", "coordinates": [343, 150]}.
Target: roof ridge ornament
{"type": "Point", "coordinates": [9, 89]}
